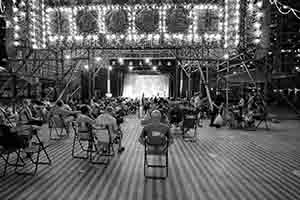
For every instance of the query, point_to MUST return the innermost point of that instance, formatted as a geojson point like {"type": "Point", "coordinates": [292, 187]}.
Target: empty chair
{"type": "Point", "coordinates": [189, 123]}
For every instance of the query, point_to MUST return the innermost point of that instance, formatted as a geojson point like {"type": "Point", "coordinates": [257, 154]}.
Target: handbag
{"type": "Point", "coordinates": [218, 120]}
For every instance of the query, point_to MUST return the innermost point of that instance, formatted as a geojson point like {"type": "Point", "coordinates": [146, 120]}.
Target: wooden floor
{"type": "Point", "coordinates": [223, 164]}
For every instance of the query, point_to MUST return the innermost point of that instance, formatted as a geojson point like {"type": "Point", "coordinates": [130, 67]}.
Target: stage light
{"type": "Point", "coordinates": [98, 59]}
{"type": "Point", "coordinates": [130, 68]}
{"type": "Point", "coordinates": [257, 33]}
{"type": "Point", "coordinates": [154, 68]}
{"type": "Point", "coordinates": [169, 63]}
{"type": "Point", "coordinates": [121, 61]}
{"type": "Point", "coordinates": [226, 56]}
{"type": "Point", "coordinates": [259, 14]}
{"type": "Point", "coordinates": [16, 43]}
{"type": "Point", "coordinates": [110, 68]}
{"type": "Point", "coordinates": [17, 27]}
{"type": "Point", "coordinates": [147, 60]}
{"type": "Point", "coordinates": [256, 41]}
{"type": "Point", "coordinates": [257, 25]}
{"type": "Point", "coordinates": [16, 35]}
{"type": "Point", "coordinates": [259, 4]}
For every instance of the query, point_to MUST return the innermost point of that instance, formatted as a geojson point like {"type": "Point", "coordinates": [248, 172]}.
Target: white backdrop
{"type": "Point", "coordinates": [151, 85]}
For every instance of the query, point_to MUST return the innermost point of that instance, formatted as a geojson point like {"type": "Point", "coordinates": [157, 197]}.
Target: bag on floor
{"type": "Point", "coordinates": [219, 120]}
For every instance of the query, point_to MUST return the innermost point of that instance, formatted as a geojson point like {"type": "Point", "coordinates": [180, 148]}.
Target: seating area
{"type": "Point", "coordinates": [255, 164]}
{"type": "Point", "coordinates": [149, 100]}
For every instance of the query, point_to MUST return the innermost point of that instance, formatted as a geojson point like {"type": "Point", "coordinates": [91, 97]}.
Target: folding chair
{"type": "Point", "coordinates": [57, 124]}
{"type": "Point", "coordinates": [88, 143]}
{"type": "Point", "coordinates": [262, 118]}
{"type": "Point", "coordinates": [37, 148]}
{"type": "Point", "coordinates": [156, 146]}
{"type": "Point", "coordinates": [18, 148]}
{"type": "Point", "coordinates": [189, 122]}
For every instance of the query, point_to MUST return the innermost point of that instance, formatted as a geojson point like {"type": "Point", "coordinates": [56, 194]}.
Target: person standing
{"type": "Point", "coordinates": [217, 108]}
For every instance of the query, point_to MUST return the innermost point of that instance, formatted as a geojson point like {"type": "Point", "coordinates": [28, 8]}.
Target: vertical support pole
{"type": "Point", "coordinates": [90, 71]}
{"type": "Point", "coordinates": [227, 87]}
{"type": "Point", "coordinates": [108, 82]}
{"type": "Point", "coordinates": [56, 75]}
{"type": "Point", "coordinates": [201, 84]}
{"type": "Point", "coordinates": [176, 82]}
{"type": "Point", "coordinates": [189, 86]}
{"type": "Point", "coordinates": [181, 83]}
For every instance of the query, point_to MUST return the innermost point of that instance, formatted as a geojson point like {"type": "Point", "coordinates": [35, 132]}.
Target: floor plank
{"type": "Point", "coordinates": [222, 164]}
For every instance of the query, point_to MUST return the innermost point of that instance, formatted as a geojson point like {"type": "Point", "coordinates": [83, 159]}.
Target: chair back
{"type": "Point", "coordinates": [85, 134]}
{"type": "Point", "coordinates": [103, 134]}
{"type": "Point", "coordinates": [56, 121]}
{"type": "Point", "coordinates": [156, 140]}
{"type": "Point", "coordinates": [189, 121]}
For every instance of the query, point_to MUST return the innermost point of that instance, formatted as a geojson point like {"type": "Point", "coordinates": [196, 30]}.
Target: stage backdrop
{"type": "Point", "coordinates": [151, 85]}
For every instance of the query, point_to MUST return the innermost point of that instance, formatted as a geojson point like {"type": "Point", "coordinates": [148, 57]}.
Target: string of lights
{"type": "Point", "coordinates": [285, 9]}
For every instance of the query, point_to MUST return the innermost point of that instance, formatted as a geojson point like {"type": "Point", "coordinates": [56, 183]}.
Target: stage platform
{"type": "Point", "coordinates": [223, 164]}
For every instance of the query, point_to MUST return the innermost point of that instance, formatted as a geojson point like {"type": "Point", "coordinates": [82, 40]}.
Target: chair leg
{"type": "Point", "coordinates": [260, 121]}
{"type": "Point", "coordinates": [6, 165]}
{"type": "Point", "coordinates": [167, 164]}
{"type": "Point", "coordinates": [43, 148]}
{"type": "Point", "coordinates": [266, 123]}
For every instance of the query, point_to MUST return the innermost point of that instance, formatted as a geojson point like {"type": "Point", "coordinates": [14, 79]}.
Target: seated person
{"type": "Point", "coordinates": [156, 127]}
{"type": "Point", "coordinates": [26, 117]}
{"type": "Point", "coordinates": [84, 120]}
{"type": "Point", "coordinates": [107, 119]}
{"type": "Point", "coordinates": [64, 113]}
{"type": "Point", "coordinates": [176, 115]}
{"type": "Point", "coordinates": [148, 118]}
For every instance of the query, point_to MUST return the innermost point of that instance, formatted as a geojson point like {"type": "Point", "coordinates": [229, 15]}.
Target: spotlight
{"type": "Point", "coordinates": [259, 4]}
{"type": "Point", "coordinates": [169, 63]}
{"type": "Point", "coordinates": [130, 68]}
{"type": "Point", "coordinates": [256, 41]}
{"type": "Point", "coordinates": [147, 60]}
{"type": "Point", "coordinates": [154, 68]}
{"type": "Point", "coordinates": [121, 61]}
{"type": "Point", "coordinates": [16, 43]}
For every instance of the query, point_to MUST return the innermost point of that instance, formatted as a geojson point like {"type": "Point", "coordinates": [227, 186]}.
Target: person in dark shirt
{"type": "Point", "coordinates": [156, 128]}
